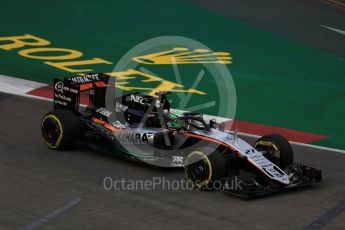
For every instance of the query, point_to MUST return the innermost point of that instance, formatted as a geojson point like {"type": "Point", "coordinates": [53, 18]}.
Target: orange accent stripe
{"type": "Point", "coordinates": [210, 139]}
{"type": "Point", "coordinates": [107, 125]}
{"type": "Point", "coordinates": [100, 84]}
{"type": "Point", "coordinates": [87, 86]}
{"type": "Point", "coordinates": [98, 121]}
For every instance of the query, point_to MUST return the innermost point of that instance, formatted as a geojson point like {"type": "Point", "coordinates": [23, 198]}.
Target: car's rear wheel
{"type": "Point", "coordinates": [276, 148]}
{"type": "Point", "coordinates": [204, 169]}
{"type": "Point", "coordinates": [60, 129]}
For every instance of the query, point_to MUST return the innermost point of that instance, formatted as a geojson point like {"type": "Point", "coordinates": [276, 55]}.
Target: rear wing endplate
{"type": "Point", "coordinates": [67, 91]}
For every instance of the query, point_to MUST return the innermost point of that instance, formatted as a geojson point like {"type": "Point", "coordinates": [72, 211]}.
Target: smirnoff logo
{"type": "Point", "coordinates": [134, 137]}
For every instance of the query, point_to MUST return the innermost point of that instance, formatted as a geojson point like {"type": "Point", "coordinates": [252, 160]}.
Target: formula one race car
{"type": "Point", "coordinates": [146, 129]}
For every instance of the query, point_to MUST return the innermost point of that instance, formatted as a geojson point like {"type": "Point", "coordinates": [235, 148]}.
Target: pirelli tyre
{"type": "Point", "coordinates": [60, 129]}
{"type": "Point", "coordinates": [205, 170]}
{"type": "Point", "coordinates": [276, 148]}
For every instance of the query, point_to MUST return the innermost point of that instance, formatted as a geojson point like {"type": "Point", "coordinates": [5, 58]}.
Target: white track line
{"type": "Point", "coordinates": [44, 219]}
{"type": "Point", "coordinates": [299, 144]}
{"type": "Point", "coordinates": [17, 86]}
{"type": "Point", "coordinates": [342, 32]}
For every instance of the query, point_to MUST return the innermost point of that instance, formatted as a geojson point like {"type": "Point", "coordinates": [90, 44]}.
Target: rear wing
{"type": "Point", "coordinates": [67, 91]}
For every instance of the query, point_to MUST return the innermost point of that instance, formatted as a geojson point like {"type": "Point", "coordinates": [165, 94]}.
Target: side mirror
{"type": "Point", "coordinates": [213, 123]}
{"type": "Point", "coordinates": [188, 127]}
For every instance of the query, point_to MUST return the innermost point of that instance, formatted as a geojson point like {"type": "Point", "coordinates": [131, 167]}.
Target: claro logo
{"type": "Point", "coordinates": [61, 88]}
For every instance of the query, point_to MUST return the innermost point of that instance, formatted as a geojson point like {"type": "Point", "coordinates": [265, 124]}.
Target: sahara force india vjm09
{"type": "Point", "coordinates": [146, 129]}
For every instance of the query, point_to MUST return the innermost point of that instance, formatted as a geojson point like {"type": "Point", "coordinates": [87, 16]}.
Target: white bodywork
{"type": "Point", "coordinates": [254, 157]}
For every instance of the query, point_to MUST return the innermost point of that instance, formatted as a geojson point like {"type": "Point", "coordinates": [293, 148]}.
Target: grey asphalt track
{"type": "Point", "coordinates": [64, 190]}
{"type": "Point", "coordinates": [298, 20]}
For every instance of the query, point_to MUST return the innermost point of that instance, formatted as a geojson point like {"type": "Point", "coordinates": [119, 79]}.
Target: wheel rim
{"type": "Point", "coordinates": [198, 169]}
{"type": "Point", "coordinates": [51, 131]}
{"type": "Point", "coordinates": [269, 147]}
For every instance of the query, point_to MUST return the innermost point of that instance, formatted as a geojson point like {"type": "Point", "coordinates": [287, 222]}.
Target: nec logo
{"type": "Point", "coordinates": [139, 99]}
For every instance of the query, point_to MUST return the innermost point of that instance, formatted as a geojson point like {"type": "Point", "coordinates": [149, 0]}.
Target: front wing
{"type": "Point", "coordinates": [300, 176]}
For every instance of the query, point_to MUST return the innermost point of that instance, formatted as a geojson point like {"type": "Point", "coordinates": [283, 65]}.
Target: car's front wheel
{"type": "Point", "coordinates": [205, 169]}
{"type": "Point", "coordinates": [276, 148]}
